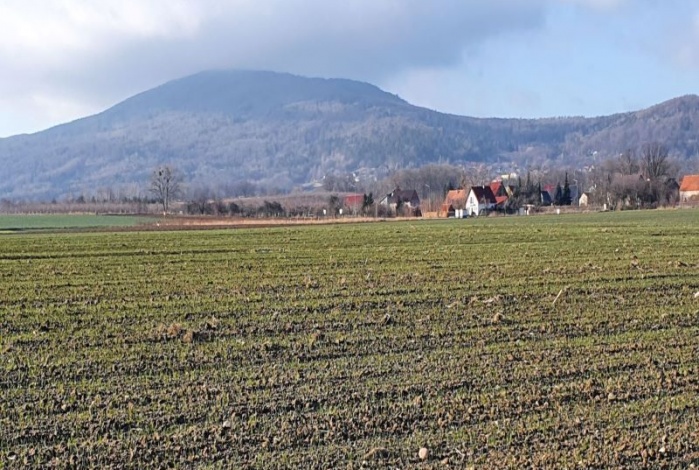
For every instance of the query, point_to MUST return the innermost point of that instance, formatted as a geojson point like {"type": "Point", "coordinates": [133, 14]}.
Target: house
{"type": "Point", "coordinates": [480, 200]}
{"type": "Point", "coordinates": [502, 193]}
{"type": "Point", "coordinates": [671, 191]}
{"type": "Point", "coordinates": [405, 199]}
{"type": "Point", "coordinates": [584, 199]}
{"type": "Point", "coordinates": [453, 201]}
{"type": "Point", "coordinates": [501, 202]}
{"type": "Point", "coordinates": [689, 189]}
{"type": "Point", "coordinates": [456, 197]}
{"type": "Point", "coordinates": [575, 193]}
{"type": "Point", "coordinates": [354, 202]}
{"type": "Point", "coordinates": [551, 189]}
{"type": "Point", "coordinates": [497, 188]}
{"type": "Point", "coordinates": [545, 198]}
{"type": "Point", "coordinates": [500, 189]}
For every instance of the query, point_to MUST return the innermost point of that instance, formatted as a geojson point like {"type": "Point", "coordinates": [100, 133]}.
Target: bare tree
{"type": "Point", "coordinates": [242, 188]}
{"type": "Point", "coordinates": [477, 174]}
{"type": "Point", "coordinates": [628, 164]}
{"type": "Point", "coordinates": [165, 184]}
{"type": "Point", "coordinates": [654, 160]}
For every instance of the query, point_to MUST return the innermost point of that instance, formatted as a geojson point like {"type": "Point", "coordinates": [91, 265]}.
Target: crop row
{"type": "Point", "coordinates": [544, 342]}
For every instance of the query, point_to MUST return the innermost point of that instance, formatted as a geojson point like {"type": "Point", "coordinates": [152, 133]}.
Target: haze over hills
{"type": "Point", "coordinates": [282, 130]}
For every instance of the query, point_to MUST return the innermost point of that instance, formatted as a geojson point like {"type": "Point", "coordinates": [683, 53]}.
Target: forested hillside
{"type": "Point", "coordinates": [280, 130]}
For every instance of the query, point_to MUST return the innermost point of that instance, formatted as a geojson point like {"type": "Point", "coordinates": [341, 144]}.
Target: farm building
{"type": "Point", "coordinates": [689, 189]}
{"type": "Point", "coordinates": [403, 199]}
{"type": "Point", "coordinates": [501, 189]}
{"type": "Point", "coordinates": [354, 202]}
{"type": "Point", "coordinates": [497, 188]}
{"type": "Point", "coordinates": [546, 199]}
{"type": "Point", "coordinates": [454, 200]}
{"type": "Point", "coordinates": [480, 200]}
{"type": "Point", "coordinates": [549, 198]}
{"type": "Point", "coordinates": [502, 193]}
{"type": "Point", "coordinates": [672, 191]}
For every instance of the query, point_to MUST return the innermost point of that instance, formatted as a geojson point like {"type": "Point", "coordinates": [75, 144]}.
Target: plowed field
{"type": "Point", "coordinates": [544, 342]}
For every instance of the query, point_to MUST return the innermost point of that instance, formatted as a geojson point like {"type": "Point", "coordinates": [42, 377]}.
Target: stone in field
{"type": "Point", "coordinates": [423, 453]}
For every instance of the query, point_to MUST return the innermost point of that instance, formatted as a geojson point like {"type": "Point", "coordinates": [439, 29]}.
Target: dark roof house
{"type": "Point", "coordinates": [546, 199]}
{"type": "Point", "coordinates": [484, 194]}
{"type": "Point", "coordinates": [399, 197]}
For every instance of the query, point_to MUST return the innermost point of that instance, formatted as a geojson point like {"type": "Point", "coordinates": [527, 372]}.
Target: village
{"type": "Point", "coordinates": [503, 197]}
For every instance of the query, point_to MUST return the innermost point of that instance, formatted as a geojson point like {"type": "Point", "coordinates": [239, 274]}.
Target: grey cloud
{"type": "Point", "coordinates": [367, 40]}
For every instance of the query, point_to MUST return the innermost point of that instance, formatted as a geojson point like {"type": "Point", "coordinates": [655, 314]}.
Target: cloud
{"type": "Point", "coordinates": [99, 52]}
{"type": "Point", "coordinates": [86, 54]}
{"type": "Point", "coordinates": [363, 38]}
{"type": "Point", "coordinates": [67, 31]}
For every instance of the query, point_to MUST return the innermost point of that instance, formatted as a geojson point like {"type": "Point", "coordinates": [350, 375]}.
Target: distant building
{"type": "Point", "coordinates": [480, 200]}
{"type": "Point", "coordinates": [546, 199]}
{"type": "Point", "coordinates": [584, 200]}
{"type": "Point", "coordinates": [403, 199]}
{"type": "Point", "coordinates": [672, 191]}
{"type": "Point", "coordinates": [453, 201]}
{"type": "Point", "coordinates": [354, 202]}
{"type": "Point", "coordinates": [500, 189]}
{"type": "Point", "coordinates": [551, 189]}
{"type": "Point", "coordinates": [689, 189]}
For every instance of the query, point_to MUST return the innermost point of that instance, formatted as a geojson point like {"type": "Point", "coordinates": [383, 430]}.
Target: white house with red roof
{"type": "Point", "coordinates": [480, 200]}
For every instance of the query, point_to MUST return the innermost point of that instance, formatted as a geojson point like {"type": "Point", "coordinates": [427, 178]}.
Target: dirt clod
{"type": "Point", "coordinates": [189, 337]}
{"type": "Point", "coordinates": [423, 453]}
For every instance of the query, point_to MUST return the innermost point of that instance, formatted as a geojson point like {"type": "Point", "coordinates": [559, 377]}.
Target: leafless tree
{"type": "Point", "coordinates": [654, 160]}
{"type": "Point", "coordinates": [476, 174]}
{"type": "Point", "coordinates": [628, 165]}
{"type": "Point", "coordinates": [242, 188]}
{"type": "Point", "coordinates": [165, 184]}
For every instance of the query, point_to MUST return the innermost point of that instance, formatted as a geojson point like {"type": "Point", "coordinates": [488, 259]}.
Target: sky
{"type": "Point", "coordinates": [65, 59]}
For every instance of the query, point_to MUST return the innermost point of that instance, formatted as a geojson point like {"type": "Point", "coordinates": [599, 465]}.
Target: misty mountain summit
{"type": "Point", "coordinates": [282, 130]}
{"type": "Point", "coordinates": [252, 95]}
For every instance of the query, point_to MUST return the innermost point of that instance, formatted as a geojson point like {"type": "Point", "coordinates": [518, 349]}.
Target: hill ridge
{"type": "Point", "coordinates": [282, 130]}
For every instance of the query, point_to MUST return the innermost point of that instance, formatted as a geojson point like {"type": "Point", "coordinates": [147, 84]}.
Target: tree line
{"type": "Point", "coordinates": [646, 176]}
{"type": "Point", "coordinates": [643, 177]}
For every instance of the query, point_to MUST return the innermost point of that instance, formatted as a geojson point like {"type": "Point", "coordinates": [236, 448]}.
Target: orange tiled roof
{"type": "Point", "coordinates": [690, 183]}
{"type": "Point", "coordinates": [455, 195]}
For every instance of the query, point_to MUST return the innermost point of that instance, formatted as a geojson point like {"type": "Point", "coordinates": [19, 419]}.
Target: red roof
{"type": "Point", "coordinates": [495, 186]}
{"type": "Point", "coordinates": [501, 199]}
{"type": "Point", "coordinates": [455, 195]}
{"type": "Point", "coordinates": [690, 183]}
{"type": "Point", "coordinates": [354, 200]}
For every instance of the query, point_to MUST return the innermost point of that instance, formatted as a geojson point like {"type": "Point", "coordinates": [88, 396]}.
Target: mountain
{"type": "Point", "coordinates": [282, 130]}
